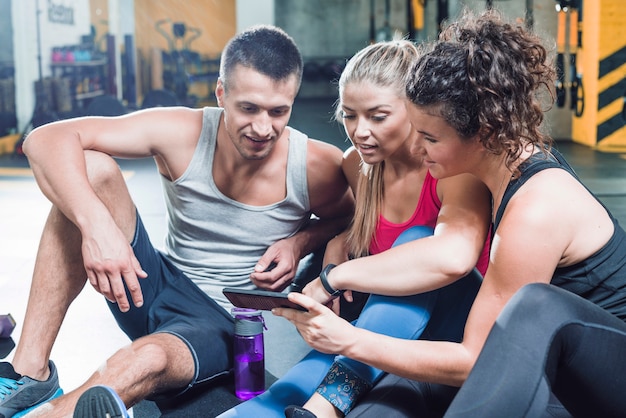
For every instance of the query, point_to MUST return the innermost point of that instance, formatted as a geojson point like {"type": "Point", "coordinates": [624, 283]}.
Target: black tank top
{"type": "Point", "coordinates": [601, 278]}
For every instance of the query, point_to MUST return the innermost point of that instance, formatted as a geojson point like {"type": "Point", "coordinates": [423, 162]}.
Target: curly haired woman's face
{"type": "Point", "coordinates": [446, 152]}
{"type": "Point", "coordinates": [377, 122]}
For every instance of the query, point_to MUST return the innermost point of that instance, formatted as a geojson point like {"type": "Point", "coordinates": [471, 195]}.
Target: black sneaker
{"type": "Point", "coordinates": [295, 411]}
{"type": "Point", "coordinates": [100, 402]}
{"type": "Point", "coordinates": [21, 394]}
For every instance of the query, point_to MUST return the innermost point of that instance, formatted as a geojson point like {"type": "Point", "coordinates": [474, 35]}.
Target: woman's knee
{"type": "Point", "coordinates": [548, 304]}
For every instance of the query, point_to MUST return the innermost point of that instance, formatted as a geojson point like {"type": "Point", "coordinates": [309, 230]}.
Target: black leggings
{"type": "Point", "coordinates": [548, 339]}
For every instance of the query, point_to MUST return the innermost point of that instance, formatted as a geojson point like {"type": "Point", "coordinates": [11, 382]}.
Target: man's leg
{"type": "Point", "coordinates": [58, 278]}
{"type": "Point", "coordinates": [151, 364]}
{"type": "Point", "coordinates": [59, 274]}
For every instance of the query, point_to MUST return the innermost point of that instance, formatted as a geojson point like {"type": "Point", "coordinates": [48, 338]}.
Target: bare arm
{"type": "Point", "coordinates": [429, 263]}
{"type": "Point", "coordinates": [56, 153]}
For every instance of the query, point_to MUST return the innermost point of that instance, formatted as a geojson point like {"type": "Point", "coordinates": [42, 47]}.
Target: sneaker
{"type": "Point", "coordinates": [100, 402]}
{"type": "Point", "coordinates": [21, 394]}
{"type": "Point", "coordinates": [295, 411]}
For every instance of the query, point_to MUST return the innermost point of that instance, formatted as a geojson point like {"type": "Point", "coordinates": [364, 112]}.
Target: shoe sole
{"type": "Point", "coordinates": [100, 402]}
{"type": "Point", "coordinates": [56, 394]}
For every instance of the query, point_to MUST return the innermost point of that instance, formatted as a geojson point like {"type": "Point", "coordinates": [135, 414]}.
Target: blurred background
{"type": "Point", "coordinates": [66, 58]}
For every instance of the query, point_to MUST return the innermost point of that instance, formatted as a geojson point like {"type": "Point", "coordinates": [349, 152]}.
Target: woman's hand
{"type": "Point", "coordinates": [320, 327]}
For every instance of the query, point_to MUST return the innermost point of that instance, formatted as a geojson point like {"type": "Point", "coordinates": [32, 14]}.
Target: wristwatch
{"type": "Point", "coordinates": [324, 279]}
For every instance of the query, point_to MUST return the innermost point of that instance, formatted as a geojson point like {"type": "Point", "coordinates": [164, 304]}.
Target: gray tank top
{"type": "Point", "coordinates": [216, 241]}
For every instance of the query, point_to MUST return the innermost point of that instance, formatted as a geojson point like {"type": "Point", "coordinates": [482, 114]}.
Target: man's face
{"type": "Point", "coordinates": [256, 110]}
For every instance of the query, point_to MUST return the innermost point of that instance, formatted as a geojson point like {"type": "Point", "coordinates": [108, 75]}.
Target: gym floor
{"type": "Point", "coordinates": [89, 334]}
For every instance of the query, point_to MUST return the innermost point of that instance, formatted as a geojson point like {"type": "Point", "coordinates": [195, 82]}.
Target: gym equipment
{"type": "Point", "coordinates": [569, 19]}
{"type": "Point", "coordinates": [415, 17]}
{"type": "Point", "coordinates": [577, 97]}
{"type": "Point", "coordinates": [7, 325]}
{"type": "Point", "coordinates": [8, 117]}
{"type": "Point", "coordinates": [179, 58]}
{"type": "Point", "coordinates": [332, 69]}
{"type": "Point", "coordinates": [560, 55]}
{"type": "Point", "coordinates": [600, 51]}
{"type": "Point", "coordinates": [159, 98]}
{"type": "Point", "coordinates": [42, 112]}
{"type": "Point", "coordinates": [386, 32]}
{"type": "Point", "coordinates": [312, 71]}
{"type": "Point", "coordinates": [6, 346]}
{"type": "Point", "coordinates": [105, 105]}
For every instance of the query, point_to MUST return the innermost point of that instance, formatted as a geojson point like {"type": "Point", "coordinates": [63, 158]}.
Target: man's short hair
{"type": "Point", "coordinates": [264, 48]}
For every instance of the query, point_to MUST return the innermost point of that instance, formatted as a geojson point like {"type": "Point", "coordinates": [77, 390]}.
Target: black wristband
{"type": "Point", "coordinates": [324, 279]}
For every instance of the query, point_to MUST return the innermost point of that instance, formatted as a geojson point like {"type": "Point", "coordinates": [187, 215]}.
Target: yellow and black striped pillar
{"type": "Point", "coordinates": [602, 68]}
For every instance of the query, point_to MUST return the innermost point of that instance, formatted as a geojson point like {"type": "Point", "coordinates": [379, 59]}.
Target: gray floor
{"type": "Point", "coordinates": [89, 334]}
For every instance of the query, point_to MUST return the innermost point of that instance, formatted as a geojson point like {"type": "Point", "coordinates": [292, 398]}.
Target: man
{"type": "Point", "coordinates": [240, 190]}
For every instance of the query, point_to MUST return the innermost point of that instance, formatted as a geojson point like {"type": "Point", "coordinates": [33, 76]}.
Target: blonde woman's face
{"type": "Point", "coordinates": [377, 122]}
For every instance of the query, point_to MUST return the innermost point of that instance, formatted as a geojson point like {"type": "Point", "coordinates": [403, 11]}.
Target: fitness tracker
{"type": "Point", "coordinates": [324, 279]}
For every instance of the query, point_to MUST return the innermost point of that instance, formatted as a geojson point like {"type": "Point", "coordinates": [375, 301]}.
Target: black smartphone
{"type": "Point", "coordinates": [259, 299]}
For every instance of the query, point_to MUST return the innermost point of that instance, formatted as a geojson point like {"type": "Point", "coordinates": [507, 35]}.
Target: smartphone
{"type": "Point", "coordinates": [259, 299]}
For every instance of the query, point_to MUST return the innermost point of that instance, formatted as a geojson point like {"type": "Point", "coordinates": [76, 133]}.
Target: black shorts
{"type": "Point", "coordinates": [175, 305]}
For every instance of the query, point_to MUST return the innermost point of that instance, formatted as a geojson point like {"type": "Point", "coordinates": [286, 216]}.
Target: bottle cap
{"type": "Point", "coordinates": [245, 312]}
{"type": "Point", "coordinates": [248, 322]}
{"type": "Point", "coordinates": [247, 328]}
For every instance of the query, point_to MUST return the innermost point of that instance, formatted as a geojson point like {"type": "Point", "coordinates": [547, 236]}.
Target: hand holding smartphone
{"type": "Point", "coordinates": [259, 299]}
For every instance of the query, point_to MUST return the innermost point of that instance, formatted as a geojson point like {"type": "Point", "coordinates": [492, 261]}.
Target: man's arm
{"type": "Point", "coordinates": [56, 154]}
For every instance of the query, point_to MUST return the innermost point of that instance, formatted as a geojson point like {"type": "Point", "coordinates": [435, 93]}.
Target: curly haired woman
{"type": "Point", "coordinates": [546, 332]}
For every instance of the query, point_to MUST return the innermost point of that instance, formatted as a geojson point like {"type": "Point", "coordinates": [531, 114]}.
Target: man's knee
{"type": "Point", "coordinates": [152, 353]}
{"type": "Point", "coordinates": [102, 171]}
{"type": "Point", "coordinates": [161, 351]}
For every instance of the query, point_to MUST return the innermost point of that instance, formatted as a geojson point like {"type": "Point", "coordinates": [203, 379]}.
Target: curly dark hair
{"type": "Point", "coordinates": [488, 77]}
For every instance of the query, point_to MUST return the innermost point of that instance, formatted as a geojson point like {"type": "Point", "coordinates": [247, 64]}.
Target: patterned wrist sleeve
{"type": "Point", "coordinates": [342, 387]}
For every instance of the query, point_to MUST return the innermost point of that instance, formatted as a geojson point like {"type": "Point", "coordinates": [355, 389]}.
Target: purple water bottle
{"type": "Point", "coordinates": [249, 353]}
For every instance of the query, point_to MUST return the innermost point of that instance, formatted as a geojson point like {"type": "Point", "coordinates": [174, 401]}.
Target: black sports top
{"type": "Point", "coordinates": [601, 278]}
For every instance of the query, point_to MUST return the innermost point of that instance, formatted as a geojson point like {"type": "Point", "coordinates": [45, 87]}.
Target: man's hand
{"type": "Point", "coordinates": [282, 255]}
{"type": "Point", "coordinates": [109, 262]}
